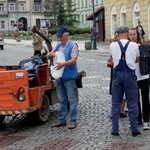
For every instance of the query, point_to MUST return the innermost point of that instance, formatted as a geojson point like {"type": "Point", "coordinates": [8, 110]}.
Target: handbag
{"type": "Point", "coordinates": [144, 62]}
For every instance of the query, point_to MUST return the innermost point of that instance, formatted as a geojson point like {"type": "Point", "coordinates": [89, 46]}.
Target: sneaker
{"type": "Point", "coordinates": [145, 126]}
{"type": "Point", "coordinates": [140, 123]}
{"type": "Point", "coordinates": [71, 125]}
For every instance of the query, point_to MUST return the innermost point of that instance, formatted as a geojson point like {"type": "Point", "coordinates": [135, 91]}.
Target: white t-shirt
{"type": "Point", "coordinates": [131, 54]}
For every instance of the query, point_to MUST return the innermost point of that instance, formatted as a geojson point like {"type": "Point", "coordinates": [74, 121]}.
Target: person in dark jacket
{"type": "Point", "coordinates": [143, 87]}
{"type": "Point", "coordinates": [140, 31]}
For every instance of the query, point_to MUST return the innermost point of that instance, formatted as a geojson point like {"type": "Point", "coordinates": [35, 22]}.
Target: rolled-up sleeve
{"type": "Point", "coordinates": [75, 51]}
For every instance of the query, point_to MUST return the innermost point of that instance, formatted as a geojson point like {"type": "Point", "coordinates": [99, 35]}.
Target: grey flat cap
{"type": "Point", "coordinates": [122, 29]}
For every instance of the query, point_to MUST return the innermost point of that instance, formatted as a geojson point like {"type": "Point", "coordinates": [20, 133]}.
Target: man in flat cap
{"type": "Point", "coordinates": [125, 56]}
{"type": "Point", "coordinates": [65, 85]}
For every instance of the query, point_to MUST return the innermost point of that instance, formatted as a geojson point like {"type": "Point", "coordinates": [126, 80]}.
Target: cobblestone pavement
{"type": "Point", "coordinates": [94, 124]}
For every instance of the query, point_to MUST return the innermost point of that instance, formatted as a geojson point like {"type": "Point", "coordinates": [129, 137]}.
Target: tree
{"type": "Point", "coordinates": [61, 15]}
{"type": "Point", "coordinates": [70, 16]}
{"type": "Point", "coordinates": [61, 10]}
{"type": "Point", "coordinates": [51, 8]}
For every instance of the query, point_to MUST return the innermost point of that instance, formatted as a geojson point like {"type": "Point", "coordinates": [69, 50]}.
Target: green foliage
{"type": "Point", "coordinates": [72, 30]}
{"type": "Point", "coordinates": [62, 11]}
{"type": "Point", "coordinates": [51, 8]}
{"type": "Point", "coordinates": [61, 15]}
{"type": "Point", "coordinates": [52, 30]}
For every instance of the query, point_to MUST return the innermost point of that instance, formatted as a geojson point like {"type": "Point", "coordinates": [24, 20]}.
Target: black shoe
{"type": "Point", "coordinates": [140, 123]}
{"type": "Point", "coordinates": [123, 115]}
{"type": "Point", "coordinates": [134, 134]}
{"type": "Point", "coordinates": [115, 133]}
{"type": "Point", "coordinates": [59, 124]}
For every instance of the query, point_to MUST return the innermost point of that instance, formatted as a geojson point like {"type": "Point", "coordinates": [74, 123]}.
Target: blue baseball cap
{"type": "Point", "coordinates": [122, 29]}
{"type": "Point", "coordinates": [61, 30]}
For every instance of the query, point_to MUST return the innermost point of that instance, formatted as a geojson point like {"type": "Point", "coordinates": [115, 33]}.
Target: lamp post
{"type": "Point", "coordinates": [94, 26]}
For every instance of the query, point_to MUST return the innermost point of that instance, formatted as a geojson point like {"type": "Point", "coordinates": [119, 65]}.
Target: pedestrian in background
{"type": "Point", "coordinates": [125, 56]}
{"type": "Point", "coordinates": [37, 44]}
{"type": "Point", "coordinates": [143, 86]}
{"type": "Point", "coordinates": [66, 85]}
{"type": "Point", "coordinates": [140, 31]}
{"type": "Point", "coordinates": [93, 35]}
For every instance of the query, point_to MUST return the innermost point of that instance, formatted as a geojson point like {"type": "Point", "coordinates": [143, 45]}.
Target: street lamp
{"type": "Point", "coordinates": [94, 26]}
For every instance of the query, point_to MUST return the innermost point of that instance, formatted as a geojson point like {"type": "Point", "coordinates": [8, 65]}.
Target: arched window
{"type": "Point", "coordinates": [136, 14]}
{"type": "Point", "coordinates": [123, 16]}
{"type": "Point", "coordinates": [113, 21]}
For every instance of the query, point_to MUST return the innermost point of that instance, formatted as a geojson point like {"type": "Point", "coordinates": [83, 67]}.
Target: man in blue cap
{"type": "Point", "coordinates": [65, 85]}
{"type": "Point", "coordinates": [125, 56]}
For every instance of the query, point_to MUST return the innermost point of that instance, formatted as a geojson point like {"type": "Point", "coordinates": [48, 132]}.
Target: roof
{"type": "Point", "coordinates": [90, 17]}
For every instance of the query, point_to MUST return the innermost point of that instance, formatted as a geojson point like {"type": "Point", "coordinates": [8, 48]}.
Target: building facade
{"type": "Point", "coordinates": [126, 12]}
{"type": "Point", "coordinates": [28, 12]}
{"type": "Point", "coordinates": [83, 9]}
{"type": "Point", "coordinates": [31, 12]}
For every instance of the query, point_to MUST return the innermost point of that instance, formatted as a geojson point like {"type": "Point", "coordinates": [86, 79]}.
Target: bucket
{"type": "Point", "coordinates": [88, 45]}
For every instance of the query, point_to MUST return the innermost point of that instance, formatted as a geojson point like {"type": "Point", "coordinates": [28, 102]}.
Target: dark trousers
{"type": "Point", "coordinates": [143, 85]}
{"type": "Point", "coordinates": [124, 82]}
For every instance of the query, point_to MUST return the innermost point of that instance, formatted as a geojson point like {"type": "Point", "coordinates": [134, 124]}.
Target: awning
{"type": "Point", "coordinates": [90, 17]}
{"type": "Point", "coordinates": [39, 1]}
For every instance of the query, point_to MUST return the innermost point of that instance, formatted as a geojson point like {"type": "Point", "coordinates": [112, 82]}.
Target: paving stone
{"type": "Point", "coordinates": [94, 123]}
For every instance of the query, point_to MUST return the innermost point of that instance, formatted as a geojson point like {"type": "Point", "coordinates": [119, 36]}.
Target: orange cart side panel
{"type": "Point", "coordinates": [35, 95]}
{"type": "Point", "coordinates": [10, 82]}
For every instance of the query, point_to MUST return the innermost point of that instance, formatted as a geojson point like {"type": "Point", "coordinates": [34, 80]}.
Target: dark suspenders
{"type": "Point", "coordinates": [123, 49]}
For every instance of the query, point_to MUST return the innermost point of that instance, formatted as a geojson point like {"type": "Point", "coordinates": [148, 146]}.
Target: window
{"type": "Point", "coordinates": [85, 2]}
{"type": "Point", "coordinates": [12, 22]}
{"type": "Point", "coordinates": [113, 21]}
{"type": "Point", "coordinates": [37, 7]}
{"type": "Point", "coordinates": [82, 4]}
{"type": "Point", "coordinates": [136, 14]}
{"type": "Point", "coordinates": [85, 16]}
{"type": "Point", "coordinates": [82, 18]}
{"type": "Point", "coordinates": [38, 22]}
{"type": "Point", "coordinates": [11, 6]}
{"type": "Point", "coordinates": [96, 2]}
{"type": "Point", "coordinates": [21, 6]}
{"type": "Point", "coordinates": [2, 24]}
{"type": "Point", "coordinates": [78, 3]}
{"type": "Point", "coordinates": [123, 16]}
{"type": "Point", "coordinates": [1, 7]}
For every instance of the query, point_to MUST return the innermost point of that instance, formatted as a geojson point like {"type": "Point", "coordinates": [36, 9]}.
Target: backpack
{"type": "Point", "coordinates": [30, 65]}
{"type": "Point", "coordinates": [144, 62]}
